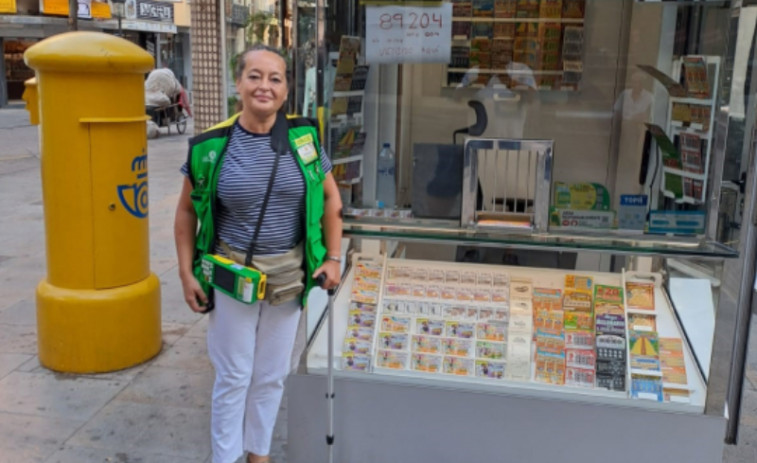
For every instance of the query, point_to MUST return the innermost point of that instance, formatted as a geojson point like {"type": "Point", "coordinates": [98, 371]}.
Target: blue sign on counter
{"type": "Point", "coordinates": [632, 213]}
{"type": "Point", "coordinates": [677, 222]}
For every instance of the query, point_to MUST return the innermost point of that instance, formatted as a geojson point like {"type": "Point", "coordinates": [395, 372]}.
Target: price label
{"type": "Point", "coordinates": [408, 34]}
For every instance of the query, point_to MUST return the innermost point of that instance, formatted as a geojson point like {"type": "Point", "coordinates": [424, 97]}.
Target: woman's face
{"type": "Point", "coordinates": [262, 85]}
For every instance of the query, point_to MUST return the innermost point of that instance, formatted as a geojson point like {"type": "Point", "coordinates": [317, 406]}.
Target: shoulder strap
{"type": "Point", "coordinates": [279, 147]}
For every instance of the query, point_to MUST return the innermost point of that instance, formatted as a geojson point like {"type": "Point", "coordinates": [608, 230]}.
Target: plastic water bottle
{"type": "Point", "coordinates": [385, 183]}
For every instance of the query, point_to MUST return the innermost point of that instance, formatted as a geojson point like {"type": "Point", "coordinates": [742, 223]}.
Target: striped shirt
{"type": "Point", "coordinates": [242, 184]}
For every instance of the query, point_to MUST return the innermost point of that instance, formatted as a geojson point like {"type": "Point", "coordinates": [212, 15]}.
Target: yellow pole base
{"type": "Point", "coordinates": [96, 331]}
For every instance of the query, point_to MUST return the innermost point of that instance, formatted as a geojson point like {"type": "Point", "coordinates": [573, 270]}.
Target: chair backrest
{"type": "Point", "coordinates": [507, 181]}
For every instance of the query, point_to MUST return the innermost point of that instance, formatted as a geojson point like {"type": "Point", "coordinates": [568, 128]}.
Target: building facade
{"type": "Point", "coordinates": [161, 28]}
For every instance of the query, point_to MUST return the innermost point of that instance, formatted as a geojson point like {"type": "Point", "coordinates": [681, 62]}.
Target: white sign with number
{"type": "Point", "coordinates": [408, 34]}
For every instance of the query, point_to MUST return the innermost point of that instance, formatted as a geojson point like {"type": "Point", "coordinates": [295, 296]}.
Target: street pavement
{"type": "Point", "coordinates": [157, 412]}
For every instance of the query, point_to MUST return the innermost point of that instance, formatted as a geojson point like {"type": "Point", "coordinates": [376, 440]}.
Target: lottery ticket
{"type": "Point", "coordinates": [482, 294]}
{"type": "Point", "coordinates": [419, 291]}
{"type": "Point", "coordinates": [396, 360]}
{"type": "Point", "coordinates": [432, 326]}
{"type": "Point", "coordinates": [490, 369]}
{"type": "Point", "coordinates": [360, 332]}
{"type": "Point", "coordinates": [491, 331]}
{"type": "Point", "coordinates": [419, 274]}
{"type": "Point", "coordinates": [436, 275]}
{"type": "Point", "coordinates": [640, 296]}
{"type": "Point", "coordinates": [361, 318]}
{"type": "Point", "coordinates": [579, 339]}
{"type": "Point", "coordinates": [520, 289]}
{"type": "Point", "coordinates": [500, 295]}
{"type": "Point", "coordinates": [355, 362]}
{"type": "Point", "coordinates": [452, 277]}
{"type": "Point", "coordinates": [458, 347]}
{"type": "Point", "coordinates": [578, 320]}
{"type": "Point", "coordinates": [550, 367]}
{"type": "Point", "coordinates": [458, 366]}
{"type": "Point", "coordinates": [491, 350]}
{"type": "Point", "coordinates": [468, 277]}
{"type": "Point", "coordinates": [426, 362]}
{"type": "Point", "coordinates": [456, 329]}
{"type": "Point", "coordinates": [395, 341]}
{"type": "Point", "coordinates": [433, 292]}
{"type": "Point", "coordinates": [578, 282]}
{"type": "Point", "coordinates": [642, 322]}
{"type": "Point", "coordinates": [580, 377]}
{"type": "Point", "coordinates": [609, 294]}
{"type": "Point", "coordinates": [464, 294]}
{"type": "Point", "coordinates": [395, 323]}
{"type": "Point", "coordinates": [357, 346]}
{"type": "Point", "coordinates": [398, 272]}
{"type": "Point", "coordinates": [580, 358]}
{"type": "Point", "coordinates": [578, 300]}
{"type": "Point", "coordinates": [363, 307]}
{"type": "Point", "coordinates": [484, 279]}
{"type": "Point", "coordinates": [500, 280]}
{"type": "Point", "coordinates": [426, 344]}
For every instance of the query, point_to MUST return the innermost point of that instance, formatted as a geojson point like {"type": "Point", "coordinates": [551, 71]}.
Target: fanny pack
{"type": "Point", "coordinates": [284, 276]}
{"type": "Point", "coordinates": [281, 275]}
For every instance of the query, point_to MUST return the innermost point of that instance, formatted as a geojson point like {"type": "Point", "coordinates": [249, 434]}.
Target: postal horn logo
{"type": "Point", "coordinates": [134, 196]}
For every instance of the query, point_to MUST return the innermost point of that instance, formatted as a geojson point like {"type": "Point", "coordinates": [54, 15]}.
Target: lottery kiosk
{"type": "Point", "coordinates": [554, 260]}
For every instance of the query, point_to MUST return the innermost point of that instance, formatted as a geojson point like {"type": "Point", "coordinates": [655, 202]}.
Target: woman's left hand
{"type": "Point", "coordinates": [331, 269]}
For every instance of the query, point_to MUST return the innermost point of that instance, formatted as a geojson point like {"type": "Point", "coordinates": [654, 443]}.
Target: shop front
{"type": "Point", "coordinates": [161, 28]}
{"type": "Point", "coordinates": [544, 203]}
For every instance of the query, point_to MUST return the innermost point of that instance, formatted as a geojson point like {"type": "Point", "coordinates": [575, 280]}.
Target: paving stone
{"type": "Point", "coordinates": [172, 332]}
{"type": "Point", "coordinates": [189, 354]}
{"type": "Point", "coordinates": [32, 365]}
{"type": "Point", "coordinates": [23, 312]}
{"type": "Point", "coordinates": [10, 362]}
{"type": "Point", "coordinates": [31, 439]}
{"type": "Point", "coordinates": [199, 329]}
{"type": "Point", "coordinates": [18, 339]}
{"type": "Point", "coordinates": [159, 429]}
{"type": "Point", "coordinates": [172, 387]}
{"type": "Point", "coordinates": [56, 395]}
{"type": "Point", "coordinates": [748, 409]}
{"type": "Point", "coordinates": [71, 454]}
{"type": "Point", "coordinates": [751, 380]}
{"type": "Point", "coordinates": [745, 450]}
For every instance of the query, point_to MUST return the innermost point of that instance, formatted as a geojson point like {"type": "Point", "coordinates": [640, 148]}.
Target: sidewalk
{"type": "Point", "coordinates": [157, 412]}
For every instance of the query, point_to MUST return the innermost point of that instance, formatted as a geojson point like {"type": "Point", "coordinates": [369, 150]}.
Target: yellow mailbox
{"type": "Point", "coordinates": [99, 307]}
{"type": "Point", "coordinates": [32, 102]}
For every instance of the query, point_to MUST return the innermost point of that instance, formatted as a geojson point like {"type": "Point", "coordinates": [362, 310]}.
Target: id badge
{"type": "Point", "coordinates": [305, 146]}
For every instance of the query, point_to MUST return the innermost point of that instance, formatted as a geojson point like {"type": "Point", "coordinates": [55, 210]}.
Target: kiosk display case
{"type": "Point", "coordinates": [541, 290]}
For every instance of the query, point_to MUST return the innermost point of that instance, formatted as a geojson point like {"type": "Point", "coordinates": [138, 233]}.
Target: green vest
{"type": "Point", "coordinates": [297, 136]}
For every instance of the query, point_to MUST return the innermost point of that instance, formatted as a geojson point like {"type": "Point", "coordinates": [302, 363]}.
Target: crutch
{"type": "Point", "coordinates": [330, 376]}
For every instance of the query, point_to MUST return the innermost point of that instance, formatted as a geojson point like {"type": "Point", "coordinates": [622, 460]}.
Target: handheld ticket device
{"type": "Point", "coordinates": [244, 284]}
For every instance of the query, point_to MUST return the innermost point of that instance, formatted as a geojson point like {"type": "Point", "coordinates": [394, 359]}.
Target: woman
{"type": "Point", "coordinates": [261, 189]}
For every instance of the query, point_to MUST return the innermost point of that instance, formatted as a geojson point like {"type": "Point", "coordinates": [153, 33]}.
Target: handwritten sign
{"type": "Point", "coordinates": [408, 34]}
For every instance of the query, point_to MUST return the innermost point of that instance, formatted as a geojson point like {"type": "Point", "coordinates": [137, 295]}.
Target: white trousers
{"type": "Point", "coordinates": [250, 347]}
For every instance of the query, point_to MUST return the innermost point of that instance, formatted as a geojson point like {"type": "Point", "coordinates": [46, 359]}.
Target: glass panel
{"type": "Point", "coordinates": [422, 318]}
{"type": "Point", "coordinates": [436, 231]}
{"type": "Point", "coordinates": [612, 84]}
{"type": "Point", "coordinates": [643, 109]}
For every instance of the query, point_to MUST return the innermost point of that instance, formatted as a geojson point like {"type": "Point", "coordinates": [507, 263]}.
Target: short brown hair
{"type": "Point", "coordinates": [241, 61]}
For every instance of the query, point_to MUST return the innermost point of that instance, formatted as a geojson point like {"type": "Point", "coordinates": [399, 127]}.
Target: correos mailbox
{"type": "Point", "coordinates": [99, 307]}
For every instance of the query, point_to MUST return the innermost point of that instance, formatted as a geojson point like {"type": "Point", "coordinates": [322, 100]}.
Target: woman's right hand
{"type": "Point", "coordinates": [194, 296]}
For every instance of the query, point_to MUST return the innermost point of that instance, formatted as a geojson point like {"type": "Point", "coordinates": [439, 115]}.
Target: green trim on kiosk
{"type": "Point", "coordinates": [245, 284]}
